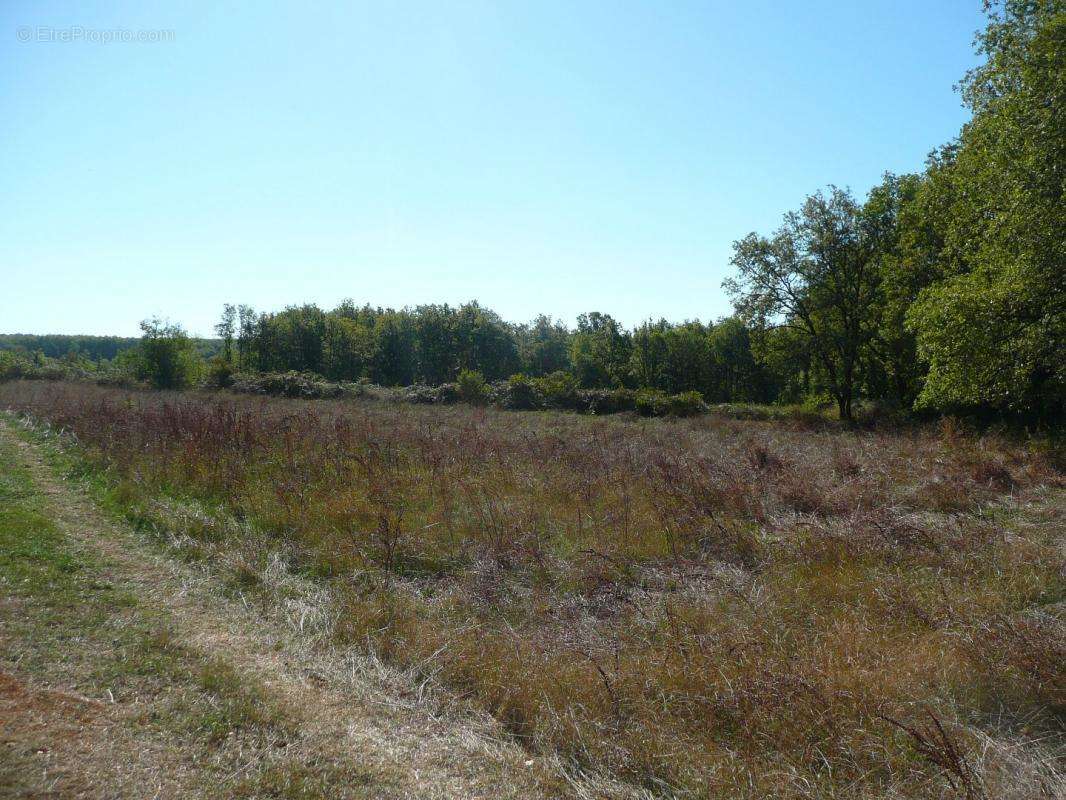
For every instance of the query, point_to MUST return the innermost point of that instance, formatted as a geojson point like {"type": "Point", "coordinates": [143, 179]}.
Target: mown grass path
{"type": "Point", "coordinates": [125, 674]}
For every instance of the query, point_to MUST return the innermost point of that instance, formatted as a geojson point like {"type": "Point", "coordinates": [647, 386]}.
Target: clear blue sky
{"type": "Point", "coordinates": [544, 156]}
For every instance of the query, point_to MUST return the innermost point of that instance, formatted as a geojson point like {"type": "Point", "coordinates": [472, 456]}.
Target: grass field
{"type": "Point", "coordinates": [101, 697]}
{"type": "Point", "coordinates": [700, 607]}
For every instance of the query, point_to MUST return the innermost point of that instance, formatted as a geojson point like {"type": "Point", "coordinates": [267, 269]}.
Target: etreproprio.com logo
{"type": "Point", "coordinates": [78, 33]}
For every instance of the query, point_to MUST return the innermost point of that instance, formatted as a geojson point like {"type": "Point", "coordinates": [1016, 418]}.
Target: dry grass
{"type": "Point", "coordinates": [706, 607]}
{"type": "Point", "coordinates": [202, 694]}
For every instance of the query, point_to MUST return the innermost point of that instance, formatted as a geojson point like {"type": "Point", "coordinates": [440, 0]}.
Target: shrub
{"type": "Point", "coordinates": [219, 373]}
{"type": "Point", "coordinates": [559, 390]}
{"type": "Point", "coordinates": [472, 388]}
{"type": "Point", "coordinates": [685, 404]}
{"type": "Point", "coordinates": [421, 394]}
{"type": "Point", "coordinates": [656, 403]}
{"type": "Point", "coordinates": [118, 379]}
{"type": "Point", "coordinates": [607, 401]}
{"type": "Point", "coordinates": [517, 393]}
{"type": "Point", "coordinates": [289, 384]}
{"type": "Point", "coordinates": [651, 402]}
{"type": "Point", "coordinates": [446, 393]}
{"type": "Point", "coordinates": [13, 367]}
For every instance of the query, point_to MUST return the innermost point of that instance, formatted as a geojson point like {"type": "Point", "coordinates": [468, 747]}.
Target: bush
{"type": "Point", "coordinates": [420, 393]}
{"type": "Point", "coordinates": [558, 390]}
{"type": "Point", "coordinates": [656, 403]}
{"type": "Point", "coordinates": [15, 366]}
{"type": "Point", "coordinates": [517, 393]}
{"type": "Point", "coordinates": [118, 379]}
{"type": "Point", "coordinates": [651, 402]}
{"type": "Point", "coordinates": [607, 401]}
{"type": "Point", "coordinates": [12, 368]}
{"type": "Point", "coordinates": [472, 388]}
{"type": "Point", "coordinates": [219, 373]}
{"type": "Point", "coordinates": [288, 384]}
{"type": "Point", "coordinates": [686, 404]}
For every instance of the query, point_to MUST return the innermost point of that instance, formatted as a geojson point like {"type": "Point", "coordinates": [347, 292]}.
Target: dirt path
{"type": "Point", "coordinates": [82, 717]}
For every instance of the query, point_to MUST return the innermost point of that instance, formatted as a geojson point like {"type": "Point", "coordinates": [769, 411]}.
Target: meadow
{"type": "Point", "coordinates": [702, 607]}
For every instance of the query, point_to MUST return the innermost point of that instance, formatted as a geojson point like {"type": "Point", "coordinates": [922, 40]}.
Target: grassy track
{"type": "Point", "coordinates": [111, 686]}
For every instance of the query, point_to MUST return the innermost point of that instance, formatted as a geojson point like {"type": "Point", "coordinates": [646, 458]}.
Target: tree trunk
{"type": "Point", "coordinates": [844, 407]}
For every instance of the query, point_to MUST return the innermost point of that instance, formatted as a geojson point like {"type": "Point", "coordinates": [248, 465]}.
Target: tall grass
{"type": "Point", "coordinates": [705, 606]}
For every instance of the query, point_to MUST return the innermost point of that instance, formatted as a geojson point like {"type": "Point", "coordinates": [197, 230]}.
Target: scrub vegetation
{"type": "Point", "coordinates": [706, 606]}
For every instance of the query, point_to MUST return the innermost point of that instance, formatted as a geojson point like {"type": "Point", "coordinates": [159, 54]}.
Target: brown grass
{"type": "Point", "coordinates": [706, 606]}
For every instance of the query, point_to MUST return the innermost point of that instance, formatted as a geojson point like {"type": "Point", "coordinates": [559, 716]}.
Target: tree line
{"type": "Point", "coordinates": [82, 348]}
{"type": "Point", "coordinates": [433, 344]}
{"type": "Point", "coordinates": [942, 290]}
{"type": "Point", "coordinates": [945, 289]}
{"type": "Point", "coordinates": [939, 290]}
{"type": "Point", "coordinates": [93, 348]}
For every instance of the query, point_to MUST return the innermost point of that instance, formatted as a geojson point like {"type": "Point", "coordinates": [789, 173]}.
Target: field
{"type": "Point", "coordinates": [701, 607]}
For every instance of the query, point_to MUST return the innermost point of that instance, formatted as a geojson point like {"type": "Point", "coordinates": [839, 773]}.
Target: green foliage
{"type": "Point", "coordinates": [984, 349]}
{"type": "Point", "coordinates": [607, 401]}
{"type": "Point", "coordinates": [994, 330]}
{"type": "Point", "coordinates": [95, 348]}
{"type": "Point", "coordinates": [656, 403]}
{"type": "Point", "coordinates": [816, 276]}
{"type": "Point", "coordinates": [219, 373]}
{"type": "Point", "coordinates": [903, 208]}
{"type": "Point", "coordinates": [394, 361]}
{"type": "Point", "coordinates": [168, 358]}
{"type": "Point", "coordinates": [419, 393]}
{"type": "Point", "coordinates": [650, 402]}
{"type": "Point", "coordinates": [17, 365]}
{"type": "Point", "coordinates": [293, 384]}
{"type": "Point", "coordinates": [685, 404]}
{"type": "Point", "coordinates": [600, 351]}
{"type": "Point", "coordinates": [472, 388]}
{"type": "Point", "coordinates": [559, 389]}
{"type": "Point", "coordinates": [14, 366]}
{"type": "Point", "coordinates": [226, 328]}
{"type": "Point", "coordinates": [518, 393]}
{"type": "Point", "coordinates": [543, 346]}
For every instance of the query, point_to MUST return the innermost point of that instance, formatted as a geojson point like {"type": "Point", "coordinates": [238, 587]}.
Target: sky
{"type": "Point", "coordinates": [539, 157]}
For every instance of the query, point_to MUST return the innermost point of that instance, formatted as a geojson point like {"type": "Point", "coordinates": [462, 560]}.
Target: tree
{"type": "Point", "coordinates": [650, 354]}
{"type": "Point", "coordinates": [226, 328]}
{"type": "Point", "coordinates": [543, 346]}
{"type": "Point", "coordinates": [600, 351]}
{"type": "Point", "coordinates": [815, 275]}
{"type": "Point", "coordinates": [395, 358]}
{"type": "Point", "coordinates": [903, 209]}
{"type": "Point", "coordinates": [735, 373]}
{"type": "Point", "coordinates": [484, 342]}
{"type": "Point", "coordinates": [168, 358]}
{"type": "Point", "coordinates": [246, 322]}
{"type": "Point", "coordinates": [689, 362]}
{"type": "Point", "coordinates": [435, 330]}
{"type": "Point", "coordinates": [993, 331]}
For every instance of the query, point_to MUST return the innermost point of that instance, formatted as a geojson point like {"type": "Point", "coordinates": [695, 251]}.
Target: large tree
{"type": "Point", "coordinates": [817, 276]}
{"type": "Point", "coordinates": [993, 332]}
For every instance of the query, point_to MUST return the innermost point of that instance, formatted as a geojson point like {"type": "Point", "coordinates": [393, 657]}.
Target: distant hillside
{"type": "Point", "coordinates": [95, 348]}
